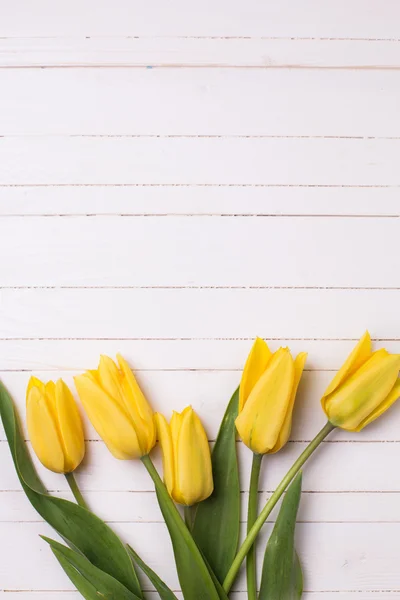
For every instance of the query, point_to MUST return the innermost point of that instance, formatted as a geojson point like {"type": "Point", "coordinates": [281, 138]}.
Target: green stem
{"type": "Point", "coordinates": [251, 536]}
{"type": "Point", "coordinates": [75, 490]}
{"type": "Point", "coordinates": [166, 498]}
{"type": "Point", "coordinates": [188, 514]}
{"type": "Point", "coordinates": [251, 518]}
{"type": "Point", "coordinates": [175, 526]}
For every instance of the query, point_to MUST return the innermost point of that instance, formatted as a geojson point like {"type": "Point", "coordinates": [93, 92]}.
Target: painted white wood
{"type": "Point", "coordinates": [49, 356]}
{"type": "Point", "coordinates": [334, 555]}
{"type": "Point", "coordinates": [273, 161]}
{"type": "Point", "coordinates": [265, 53]}
{"type": "Point", "coordinates": [250, 102]}
{"type": "Point", "coordinates": [200, 252]}
{"type": "Point", "coordinates": [308, 595]}
{"type": "Point", "coordinates": [338, 467]}
{"type": "Point", "coordinates": [142, 507]}
{"type": "Point", "coordinates": [337, 19]}
{"type": "Point", "coordinates": [236, 160]}
{"type": "Point", "coordinates": [187, 313]}
{"type": "Point", "coordinates": [198, 199]}
{"type": "Point", "coordinates": [209, 392]}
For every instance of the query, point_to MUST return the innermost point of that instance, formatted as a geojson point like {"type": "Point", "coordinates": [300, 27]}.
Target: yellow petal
{"type": "Point", "coordinates": [138, 407]}
{"type": "Point", "coordinates": [175, 428]}
{"type": "Point", "coordinates": [359, 397]}
{"type": "Point", "coordinates": [70, 426]}
{"type": "Point", "coordinates": [50, 391]}
{"type": "Point", "coordinates": [284, 433]}
{"type": "Point", "coordinates": [194, 480]}
{"type": "Point", "coordinates": [255, 366]}
{"type": "Point", "coordinates": [110, 379]}
{"type": "Point", "coordinates": [109, 420]}
{"type": "Point", "coordinates": [387, 403]}
{"type": "Point", "coordinates": [42, 430]}
{"type": "Point", "coordinates": [358, 356]}
{"type": "Point", "coordinates": [264, 413]}
{"type": "Point", "coordinates": [165, 439]}
{"type": "Point", "coordinates": [34, 382]}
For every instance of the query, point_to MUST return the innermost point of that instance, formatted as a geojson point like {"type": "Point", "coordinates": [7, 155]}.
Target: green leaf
{"type": "Point", "coordinates": [297, 577]}
{"type": "Point", "coordinates": [194, 576]}
{"type": "Point", "coordinates": [163, 590]}
{"type": "Point", "coordinates": [80, 528]}
{"type": "Point", "coordinates": [281, 574]}
{"type": "Point", "coordinates": [217, 519]}
{"type": "Point", "coordinates": [90, 581]}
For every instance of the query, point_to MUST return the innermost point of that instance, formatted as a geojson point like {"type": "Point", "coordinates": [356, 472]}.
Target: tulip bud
{"type": "Point", "coordinates": [266, 397]}
{"type": "Point", "coordinates": [54, 425]}
{"type": "Point", "coordinates": [186, 457]}
{"type": "Point", "coordinates": [364, 388]}
{"type": "Point", "coordinates": [117, 408]}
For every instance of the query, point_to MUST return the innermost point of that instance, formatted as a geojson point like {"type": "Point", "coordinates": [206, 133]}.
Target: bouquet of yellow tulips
{"type": "Point", "coordinates": [205, 535]}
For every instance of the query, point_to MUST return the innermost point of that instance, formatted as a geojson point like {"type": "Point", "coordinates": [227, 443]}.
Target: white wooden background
{"type": "Point", "coordinates": [176, 178]}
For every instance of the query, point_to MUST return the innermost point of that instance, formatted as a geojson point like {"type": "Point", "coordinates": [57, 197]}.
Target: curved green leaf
{"type": "Point", "coordinates": [194, 576]}
{"type": "Point", "coordinates": [297, 577]}
{"type": "Point", "coordinates": [90, 581]}
{"type": "Point", "coordinates": [79, 527]}
{"type": "Point", "coordinates": [163, 590]}
{"type": "Point", "coordinates": [281, 574]}
{"type": "Point", "coordinates": [217, 519]}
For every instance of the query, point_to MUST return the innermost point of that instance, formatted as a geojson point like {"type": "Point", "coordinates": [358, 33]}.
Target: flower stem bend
{"type": "Point", "coordinates": [75, 490]}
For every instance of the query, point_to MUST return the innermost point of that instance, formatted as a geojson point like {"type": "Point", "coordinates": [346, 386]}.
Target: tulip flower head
{"type": "Point", "coordinates": [266, 397]}
{"type": "Point", "coordinates": [365, 387]}
{"type": "Point", "coordinates": [117, 408]}
{"type": "Point", "coordinates": [54, 425]}
{"type": "Point", "coordinates": [186, 457]}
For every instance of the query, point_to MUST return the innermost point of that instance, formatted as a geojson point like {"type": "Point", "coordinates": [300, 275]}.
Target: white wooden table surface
{"type": "Point", "coordinates": [176, 178]}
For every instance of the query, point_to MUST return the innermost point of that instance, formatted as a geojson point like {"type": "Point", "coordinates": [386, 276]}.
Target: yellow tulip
{"type": "Point", "coordinates": [186, 457]}
{"type": "Point", "coordinates": [54, 425]}
{"type": "Point", "coordinates": [266, 397]}
{"type": "Point", "coordinates": [117, 408]}
{"type": "Point", "coordinates": [364, 388]}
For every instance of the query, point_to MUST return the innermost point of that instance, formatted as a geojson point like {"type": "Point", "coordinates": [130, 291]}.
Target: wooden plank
{"type": "Point", "coordinates": [338, 467]}
{"type": "Point", "coordinates": [339, 557]}
{"type": "Point", "coordinates": [261, 103]}
{"type": "Point", "coordinates": [185, 256]}
{"type": "Point", "coordinates": [308, 595]}
{"type": "Point", "coordinates": [276, 161]}
{"type": "Point", "coordinates": [209, 392]}
{"type": "Point", "coordinates": [51, 356]}
{"type": "Point", "coordinates": [199, 200]}
{"type": "Point", "coordinates": [142, 507]}
{"type": "Point", "coordinates": [264, 53]}
{"type": "Point", "coordinates": [338, 19]}
{"type": "Point", "coordinates": [198, 313]}
{"type": "Point", "coordinates": [291, 161]}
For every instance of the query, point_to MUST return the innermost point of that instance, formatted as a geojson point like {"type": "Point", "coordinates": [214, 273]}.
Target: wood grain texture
{"type": "Point", "coordinates": [215, 200]}
{"type": "Point", "coordinates": [377, 19]}
{"type": "Point", "coordinates": [246, 184]}
{"type": "Point", "coordinates": [200, 52]}
{"type": "Point", "coordinates": [152, 313]}
{"type": "Point", "coordinates": [206, 102]}
{"type": "Point", "coordinates": [259, 161]}
{"type": "Point", "coordinates": [200, 252]}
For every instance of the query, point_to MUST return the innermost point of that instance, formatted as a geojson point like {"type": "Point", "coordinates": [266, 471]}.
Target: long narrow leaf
{"type": "Point", "coordinates": [194, 576]}
{"type": "Point", "coordinates": [78, 526]}
{"type": "Point", "coordinates": [90, 581]}
{"type": "Point", "coordinates": [217, 519]}
{"type": "Point", "coordinates": [163, 590]}
{"type": "Point", "coordinates": [281, 574]}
